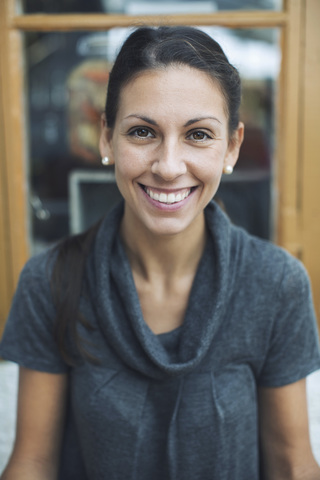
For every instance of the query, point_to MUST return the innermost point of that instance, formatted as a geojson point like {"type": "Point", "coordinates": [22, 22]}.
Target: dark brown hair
{"type": "Point", "coordinates": [156, 48]}
{"type": "Point", "coordinates": [145, 49]}
{"type": "Point", "coordinates": [67, 286]}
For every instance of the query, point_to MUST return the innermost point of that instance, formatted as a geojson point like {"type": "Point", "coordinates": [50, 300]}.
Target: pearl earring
{"type": "Point", "coordinates": [228, 169]}
{"type": "Point", "coordinates": [105, 161]}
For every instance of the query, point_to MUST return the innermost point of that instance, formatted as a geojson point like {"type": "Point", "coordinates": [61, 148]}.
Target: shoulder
{"type": "Point", "coordinates": [38, 268]}
{"type": "Point", "coordinates": [263, 259]}
{"type": "Point", "coordinates": [271, 262]}
{"type": "Point", "coordinates": [255, 263]}
{"type": "Point", "coordinates": [278, 286]}
{"type": "Point", "coordinates": [28, 337]}
{"type": "Point", "coordinates": [33, 295]}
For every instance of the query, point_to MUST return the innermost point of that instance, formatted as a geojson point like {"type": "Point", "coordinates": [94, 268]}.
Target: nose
{"type": "Point", "coordinates": [169, 162]}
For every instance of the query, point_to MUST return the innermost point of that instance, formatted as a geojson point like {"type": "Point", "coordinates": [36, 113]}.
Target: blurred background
{"type": "Point", "coordinates": [67, 74]}
{"type": "Point", "coordinates": [55, 57]}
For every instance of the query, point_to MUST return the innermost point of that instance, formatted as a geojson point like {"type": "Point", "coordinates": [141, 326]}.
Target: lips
{"type": "Point", "coordinates": [167, 198]}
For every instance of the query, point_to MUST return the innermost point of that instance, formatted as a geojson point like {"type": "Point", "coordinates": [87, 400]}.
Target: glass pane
{"type": "Point", "coordinates": [145, 7]}
{"type": "Point", "coordinates": [67, 75]}
{"type": "Point", "coordinates": [247, 193]}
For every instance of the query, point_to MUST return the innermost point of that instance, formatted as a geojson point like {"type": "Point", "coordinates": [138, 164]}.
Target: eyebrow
{"type": "Point", "coordinates": [142, 117]}
{"type": "Point", "coordinates": [199, 119]}
{"type": "Point", "coordinates": [187, 124]}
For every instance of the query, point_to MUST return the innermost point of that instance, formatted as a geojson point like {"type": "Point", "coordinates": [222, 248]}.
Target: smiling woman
{"type": "Point", "coordinates": [164, 342]}
{"type": "Point", "coordinates": [174, 144]}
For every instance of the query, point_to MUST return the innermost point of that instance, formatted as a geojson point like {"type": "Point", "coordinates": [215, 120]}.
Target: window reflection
{"type": "Point", "coordinates": [247, 194]}
{"type": "Point", "coordinates": [138, 7]}
{"type": "Point", "coordinates": [67, 76]}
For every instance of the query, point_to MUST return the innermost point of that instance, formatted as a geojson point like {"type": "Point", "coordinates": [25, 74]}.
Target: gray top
{"type": "Point", "coordinates": [182, 405]}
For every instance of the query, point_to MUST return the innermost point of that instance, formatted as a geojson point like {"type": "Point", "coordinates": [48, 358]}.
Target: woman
{"type": "Point", "coordinates": [193, 339]}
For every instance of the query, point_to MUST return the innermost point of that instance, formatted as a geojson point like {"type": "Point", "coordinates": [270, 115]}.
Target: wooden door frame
{"type": "Point", "coordinates": [296, 166]}
{"type": "Point", "coordinates": [13, 212]}
{"type": "Point", "coordinates": [309, 149]}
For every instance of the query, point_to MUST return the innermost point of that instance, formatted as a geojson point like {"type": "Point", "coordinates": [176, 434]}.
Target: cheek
{"type": "Point", "coordinates": [127, 169]}
{"type": "Point", "coordinates": [130, 162]}
{"type": "Point", "coordinates": [212, 179]}
{"type": "Point", "coordinates": [209, 170]}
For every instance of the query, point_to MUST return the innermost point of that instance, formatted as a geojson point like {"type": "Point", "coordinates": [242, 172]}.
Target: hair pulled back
{"type": "Point", "coordinates": [145, 49]}
{"type": "Point", "coordinates": [150, 48]}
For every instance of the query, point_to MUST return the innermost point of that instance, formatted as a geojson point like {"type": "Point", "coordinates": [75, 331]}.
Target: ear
{"type": "Point", "coordinates": [234, 146]}
{"type": "Point", "coordinates": [105, 142]}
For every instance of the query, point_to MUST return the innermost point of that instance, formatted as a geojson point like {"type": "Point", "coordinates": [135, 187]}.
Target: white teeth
{"type": "Point", "coordinates": [171, 198]}
{"type": "Point", "coordinates": [168, 198]}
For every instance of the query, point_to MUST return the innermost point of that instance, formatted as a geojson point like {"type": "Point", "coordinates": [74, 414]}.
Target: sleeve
{"type": "Point", "coordinates": [28, 336]}
{"type": "Point", "coordinates": [293, 351]}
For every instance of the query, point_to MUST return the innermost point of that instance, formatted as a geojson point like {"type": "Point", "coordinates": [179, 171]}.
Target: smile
{"type": "Point", "coordinates": [167, 198]}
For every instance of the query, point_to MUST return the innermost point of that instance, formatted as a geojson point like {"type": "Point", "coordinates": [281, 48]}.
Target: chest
{"type": "Point", "coordinates": [172, 424]}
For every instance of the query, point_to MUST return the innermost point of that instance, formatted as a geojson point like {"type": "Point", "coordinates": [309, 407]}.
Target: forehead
{"type": "Point", "coordinates": [177, 89]}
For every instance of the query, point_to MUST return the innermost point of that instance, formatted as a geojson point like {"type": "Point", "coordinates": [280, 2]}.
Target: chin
{"type": "Point", "coordinates": [166, 227]}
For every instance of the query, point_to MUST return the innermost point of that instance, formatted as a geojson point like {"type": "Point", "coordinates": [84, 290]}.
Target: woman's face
{"type": "Point", "coordinates": [169, 145]}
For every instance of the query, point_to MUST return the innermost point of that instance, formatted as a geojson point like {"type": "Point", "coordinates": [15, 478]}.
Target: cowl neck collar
{"type": "Point", "coordinates": [118, 308]}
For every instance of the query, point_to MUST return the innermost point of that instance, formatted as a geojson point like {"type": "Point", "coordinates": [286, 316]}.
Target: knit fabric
{"type": "Point", "coordinates": [182, 405]}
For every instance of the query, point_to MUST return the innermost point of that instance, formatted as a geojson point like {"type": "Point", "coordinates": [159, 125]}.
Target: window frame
{"type": "Point", "coordinates": [297, 211]}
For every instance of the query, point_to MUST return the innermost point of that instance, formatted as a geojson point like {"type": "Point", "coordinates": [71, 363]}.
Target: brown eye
{"type": "Point", "coordinates": [142, 132]}
{"type": "Point", "coordinates": [198, 136]}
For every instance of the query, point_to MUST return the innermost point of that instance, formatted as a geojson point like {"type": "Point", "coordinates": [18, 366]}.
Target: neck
{"type": "Point", "coordinates": [168, 256]}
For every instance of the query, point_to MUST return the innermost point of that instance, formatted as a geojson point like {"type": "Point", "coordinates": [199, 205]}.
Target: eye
{"type": "Point", "coordinates": [199, 136]}
{"type": "Point", "coordinates": [141, 132]}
